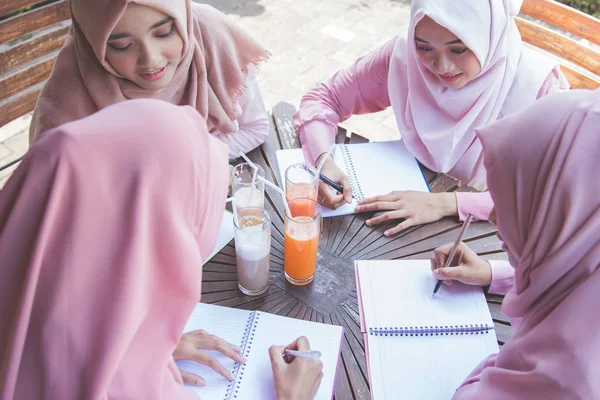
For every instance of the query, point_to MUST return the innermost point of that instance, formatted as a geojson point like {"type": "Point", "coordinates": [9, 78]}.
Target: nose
{"type": "Point", "coordinates": [442, 65]}
{"type": "Point", "coordinates": [148, 56]}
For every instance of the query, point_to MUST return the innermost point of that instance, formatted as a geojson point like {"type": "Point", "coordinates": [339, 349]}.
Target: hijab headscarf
{"type": "Point", "coordinates": [210, 76]}
{"type": "Point", "coordinates": [104, 227]}
{"type": "Point", "coordinates": [437, 123]}
{"type": "Point", "coordinates": [542, 175]}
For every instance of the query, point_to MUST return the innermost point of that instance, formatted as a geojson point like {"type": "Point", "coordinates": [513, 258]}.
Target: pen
{"type": "Point", "coordinates": [454, 248]}
{"type": "Point", "coordinates": [312, 354]}
{"type": "Point", "coordinates": [331, 183]}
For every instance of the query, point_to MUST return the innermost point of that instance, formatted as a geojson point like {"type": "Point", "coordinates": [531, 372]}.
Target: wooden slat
{"type": "Point", "coordinates": [10, 6]}
{"type": "Point", "coordinates": [283, 114]}
{"type": "Point", "coordinates": [31, 21]}
{"type": "Point", "coordinates": [564, 17]}
{"type": "Point", "coordinates": [559, 45]}
{"type": "Point", "coordinates": [31, 49]}
{"type": "Point", "coordinates": [16, 106]}
{"type": "Point", "coordinates": [577, 80]}
{"type": "Point", "coordinates": [13, 83]}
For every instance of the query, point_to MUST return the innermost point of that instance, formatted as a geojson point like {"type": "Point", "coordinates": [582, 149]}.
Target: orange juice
{"type": "Point", "coordinates": [301, 244]}
{"type": "Point", "coordinates": [298, 190]}
{"type": "Point", "coordinates": [302, 207]}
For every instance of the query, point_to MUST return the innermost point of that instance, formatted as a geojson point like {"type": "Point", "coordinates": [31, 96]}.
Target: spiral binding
{"type": "Point", "coordinates": [233, 388]}
{"type": "Point", "coordinates": [433, 330]}
{"type": "Point", "coordinates": [356, 189]}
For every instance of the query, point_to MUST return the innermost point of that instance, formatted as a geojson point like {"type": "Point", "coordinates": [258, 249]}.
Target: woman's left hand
{"type": "Point", "coordinates": [415, 207]}
{"type": "Point", "coordinates": [190, 347]}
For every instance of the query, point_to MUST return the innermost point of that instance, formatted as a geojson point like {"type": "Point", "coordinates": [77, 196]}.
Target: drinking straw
{"type": "Point", "coordinates": [324, 159]}
{"type": "Point", "coordinates": [234, 207]}
{"type": "Point", "coordinates": [287, 208]}
{"type": "Point", "coordinates": [254, 173]}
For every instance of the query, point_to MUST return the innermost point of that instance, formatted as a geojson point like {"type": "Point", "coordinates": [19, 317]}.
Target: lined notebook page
{"type": "Point", "coordinates": [273, 329]}
{"type": "Point", "coordinates": [380, 167]}
{"type": "Point", "coordinates": [227, 323]}
{"type": "Point", "coordinates": [399, 294]}
{"type": "Point", "coordinates": [424, 367]}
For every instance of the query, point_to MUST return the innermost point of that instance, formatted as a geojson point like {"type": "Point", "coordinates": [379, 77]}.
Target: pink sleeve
{"type": "Point", "coordinates": [471, 388]}
{"type": "Point", "coordinates": [555, 82]}
{"type": "Point", "coordinates": [358, 89]}
{"type": "Point", "coordinates": [477, 204]}
{"type": "Point", "coordinates": [503, 277]}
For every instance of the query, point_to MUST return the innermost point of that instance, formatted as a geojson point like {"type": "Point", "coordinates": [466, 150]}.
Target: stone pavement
{"type": "Point", "coordinates": [308, 40]}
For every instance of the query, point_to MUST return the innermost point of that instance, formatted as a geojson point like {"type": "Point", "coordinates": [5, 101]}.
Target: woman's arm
{"type": "Point", "coordinates": [358, 89]}
{"type": "Point", "coordinates": [477, 204]}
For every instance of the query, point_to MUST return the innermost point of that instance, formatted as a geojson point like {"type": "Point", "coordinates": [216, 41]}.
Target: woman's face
{"type": "Point", "coordinates": [145, 47]}
{"type": "Point", "coordinates": [444, 54]}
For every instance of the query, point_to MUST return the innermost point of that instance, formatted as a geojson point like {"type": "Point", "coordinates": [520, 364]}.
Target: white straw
{"type": "Point", "coordinates": [324, 159]}
{"type": "Point", "coordinates": [254, 174]}
{"type": "Point", "coordinates": [234, 207]}
{"type": "Point", "coordinates": [287, 208]}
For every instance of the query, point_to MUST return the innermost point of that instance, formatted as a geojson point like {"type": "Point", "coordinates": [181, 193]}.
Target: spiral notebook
{"type": "Point", "coordinates": [373, 169]}
{"type": "Point", "coordinates": [420, 346]}
{"type": "Point", "coordinates": [255, 332]}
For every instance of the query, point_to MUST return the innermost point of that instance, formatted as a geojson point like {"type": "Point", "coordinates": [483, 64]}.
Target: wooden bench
{"type": "Point", "coordinates": [579, 63]}
{"type": "Point", "coordinates": [31, 35]}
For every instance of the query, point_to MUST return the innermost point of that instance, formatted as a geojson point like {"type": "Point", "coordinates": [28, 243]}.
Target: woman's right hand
{"type": "Point", "coordinates": [472, 270]}
{"type": "Point", "coordinates": [298, 379]}
{"type": "Point", "coordinates": [326, 195]}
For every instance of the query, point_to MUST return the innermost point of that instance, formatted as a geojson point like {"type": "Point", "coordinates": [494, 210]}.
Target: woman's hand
{"type": "Point", "coordinates": [298, 379]}
{"type": "Point", "coordinates": [472, 269]}
{"type": "Point", "coordinates": [326, 196]}
{"type": "Point", "coordinates": [415, 207]}
{"type": "Point", "coordinates": [190, 347]}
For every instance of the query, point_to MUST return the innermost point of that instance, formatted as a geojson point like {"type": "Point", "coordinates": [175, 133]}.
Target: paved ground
{"type": "Point", "coordinates": [308, 39]}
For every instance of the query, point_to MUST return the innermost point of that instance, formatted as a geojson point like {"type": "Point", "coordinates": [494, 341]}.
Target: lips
{"type": "Point", "coordinates": [450, 77]}
{"type": "Point", "coordinates": [154, 75]}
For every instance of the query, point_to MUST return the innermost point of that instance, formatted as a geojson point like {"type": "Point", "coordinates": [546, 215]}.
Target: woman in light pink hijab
{"type": "Point", "coordinates": [542, 173]}
{"type": "Point", "coordinates": [458, 66]}
{"type": "Point", "coordinates": [178, 51]}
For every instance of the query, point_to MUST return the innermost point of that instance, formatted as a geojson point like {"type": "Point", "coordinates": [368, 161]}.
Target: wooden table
{"type": "Point", "coordinates": [331, 298]}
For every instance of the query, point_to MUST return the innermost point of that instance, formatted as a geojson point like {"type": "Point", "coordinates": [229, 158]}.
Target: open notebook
{"type": "Point", "coordinates": [255, 332]}
{"type": "Point", "coordinates": [372, 168]}
{"type": "Point", "coordinates": [420, 346]}
{"type": "Point", "coordinates": [226, 234]}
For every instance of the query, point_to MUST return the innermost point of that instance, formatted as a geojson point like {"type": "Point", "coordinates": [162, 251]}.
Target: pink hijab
{"type": "Point", "coordinates": [210, 76]}
{"type": "Point", "coordinates": [103, 230]}
{"type": "Point", "coordinates": [438, 124]}
{"type": "Point", "coordinates": [543, 177]}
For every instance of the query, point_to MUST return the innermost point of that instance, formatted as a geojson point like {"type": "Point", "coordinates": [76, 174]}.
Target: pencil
{"type": "Point", "coordinates": [454, 248]}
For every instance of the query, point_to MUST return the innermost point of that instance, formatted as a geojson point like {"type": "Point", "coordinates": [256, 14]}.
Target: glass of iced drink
{"type": "Point", "coordinates": [245, 192]}
{"type": "Point", "coordinates": [253, 248]}
{"type": "Point", "coordinates": [301, 240]}
{"type": "Point", "coordinates": [301, 180]}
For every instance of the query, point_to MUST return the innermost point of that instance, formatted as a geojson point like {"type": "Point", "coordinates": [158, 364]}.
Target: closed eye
{"type": "Point", "coordinates": [116, 48]}
{"type": "Point", "coordinates": [168, 34]}
{"type": "Point", "coordinates": [459, 51]}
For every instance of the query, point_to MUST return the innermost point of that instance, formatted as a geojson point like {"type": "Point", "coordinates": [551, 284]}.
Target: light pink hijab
{"type": "Point", "coordinates": [103, 230]}
{"type": "Point", "coordinates": [438, 124]}
{"type": "Point", "coordinates": [210, 76]}
{"type": "Point", "coordinates": [543, 177]}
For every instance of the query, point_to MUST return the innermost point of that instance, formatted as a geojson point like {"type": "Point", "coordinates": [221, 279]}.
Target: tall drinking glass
{"type": "Point", "coordinates": [301, 241]}
{"type": "Point", "coordinates": [245, 192]}
{"type": "Point", "coordinates": [253, 249]}
{"type": "Point", "coordinates": [301, 180]}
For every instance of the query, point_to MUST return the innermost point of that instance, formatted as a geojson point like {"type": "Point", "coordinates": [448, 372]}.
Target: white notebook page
{"type": "Point", "coordinates": [257, 382]}
{"type": "Point", "coordinates": [399, 294]}
{"type": "Point", "coordinates": [380, 167]}
{"type": "Point", "coordinates": [226, 234]}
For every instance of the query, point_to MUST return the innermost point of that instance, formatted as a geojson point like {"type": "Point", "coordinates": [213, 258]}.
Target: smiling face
{"type": "Point", "coordinates": [145, 47]}
{"type": "Point", "coordinates": [444, 54]}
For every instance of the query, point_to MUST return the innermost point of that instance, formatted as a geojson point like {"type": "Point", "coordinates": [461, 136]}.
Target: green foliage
{"type": "Point", "coordinates": [591, 7]}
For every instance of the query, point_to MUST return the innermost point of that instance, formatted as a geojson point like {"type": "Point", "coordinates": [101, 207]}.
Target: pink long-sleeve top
{"type": "Point", "coordinates": [362, 88]}
{"type": "Point", "coordinates": [252, 121]}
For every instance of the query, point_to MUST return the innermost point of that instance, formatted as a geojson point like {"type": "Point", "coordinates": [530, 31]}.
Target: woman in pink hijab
{"type": "Point", "coordinates": [542, 174]}
{"type": "Point", "coordinates": [104, 227]}
{"type": "Point", "coordinates": [460, 65]}
{"type": "Point", "coordinates": [178, 51]}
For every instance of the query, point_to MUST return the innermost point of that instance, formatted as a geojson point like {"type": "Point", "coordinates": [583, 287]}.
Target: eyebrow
{"type": "Point", "coordinates": [154, 26]}
{"type": "Point", "coordinates": [457, 41]}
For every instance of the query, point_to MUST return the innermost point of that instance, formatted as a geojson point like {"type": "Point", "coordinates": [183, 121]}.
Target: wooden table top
{"type": "Point", "coordinates": [331, 298]}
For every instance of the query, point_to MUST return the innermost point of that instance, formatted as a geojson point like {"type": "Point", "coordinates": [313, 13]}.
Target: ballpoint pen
{"type": "Point", "coordinates": [455, 246]}
{"type": "Point", "coordinates": [312, 354]}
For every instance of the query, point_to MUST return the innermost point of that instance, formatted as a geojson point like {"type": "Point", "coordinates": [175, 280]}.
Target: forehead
{"type": "Point", "coordinates": [138, 18]}
{"type": "Point", "coordinates": [429, 30]}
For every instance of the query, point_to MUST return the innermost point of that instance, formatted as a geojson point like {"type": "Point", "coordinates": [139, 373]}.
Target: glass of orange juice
{"type": "Point", "coordinates": [301, 180]}
{"type": "Point", "coordinates": [301, 240]}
